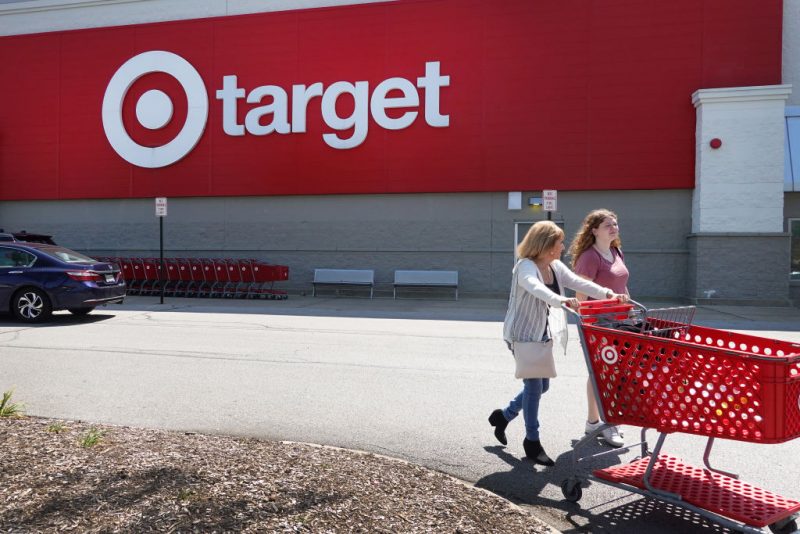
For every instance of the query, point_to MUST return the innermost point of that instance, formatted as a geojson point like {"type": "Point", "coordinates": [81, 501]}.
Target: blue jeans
{"type": "Point", "coordinates": [528, 402]}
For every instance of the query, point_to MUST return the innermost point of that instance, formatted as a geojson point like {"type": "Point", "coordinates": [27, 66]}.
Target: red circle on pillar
{"type": "Point", "coordinates": [715, 143]}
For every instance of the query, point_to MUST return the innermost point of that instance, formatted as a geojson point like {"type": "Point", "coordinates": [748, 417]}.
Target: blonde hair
{"type": "Point", "coordinates": [584, 238]}
{"type": "Point", "coordinates": [541, 237]}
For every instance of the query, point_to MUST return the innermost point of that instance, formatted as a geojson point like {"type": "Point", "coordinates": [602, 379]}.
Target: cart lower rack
{"type": "Point", "coordinates": [655, 370]}
{"type": "Point", "coordinates": [715, 492]}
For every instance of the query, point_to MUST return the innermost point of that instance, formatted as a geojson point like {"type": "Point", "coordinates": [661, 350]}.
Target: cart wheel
{"type": "Point", "coordinates": [571, 488]}
{"type": "Point", "coordinates": [784, 526]}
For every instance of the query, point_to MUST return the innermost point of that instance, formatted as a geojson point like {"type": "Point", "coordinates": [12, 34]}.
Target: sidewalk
{"type": "Point", "coordinates": [464, 309]}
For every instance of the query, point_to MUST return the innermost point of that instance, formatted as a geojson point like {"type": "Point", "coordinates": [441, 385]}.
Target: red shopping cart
{"type": "Point", "coordinates": [656, 370]}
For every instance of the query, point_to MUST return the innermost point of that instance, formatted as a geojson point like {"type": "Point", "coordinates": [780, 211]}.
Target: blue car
{"type": "Point", "coordinates": [37, 278]}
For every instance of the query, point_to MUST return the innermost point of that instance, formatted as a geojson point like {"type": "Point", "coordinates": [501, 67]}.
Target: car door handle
{"type": "Point", "coordinates": [15, 272]}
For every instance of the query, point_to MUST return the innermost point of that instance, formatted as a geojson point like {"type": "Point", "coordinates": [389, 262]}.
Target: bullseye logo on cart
{"type": "Point", "coordinates": [154, 109]}
{"type": "Point", "coordinates": [609, 355]}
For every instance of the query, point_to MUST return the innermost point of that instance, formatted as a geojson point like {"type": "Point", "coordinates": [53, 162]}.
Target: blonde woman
{"type": "Point", "coordinates": [597, 256]}
{"type": "Point", "coordinates": [534, 313]}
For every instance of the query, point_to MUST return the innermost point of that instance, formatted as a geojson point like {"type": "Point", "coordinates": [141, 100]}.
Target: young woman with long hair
{"type": "Point", "coordinates": [596, 253]}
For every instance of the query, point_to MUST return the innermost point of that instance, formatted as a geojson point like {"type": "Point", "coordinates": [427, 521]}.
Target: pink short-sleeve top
{"type": "Point", "coordinates": [610, 274]}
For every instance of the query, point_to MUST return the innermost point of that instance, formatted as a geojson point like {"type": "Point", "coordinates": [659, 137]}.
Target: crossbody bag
{"type": "Point", "coordinates": [534, 359]}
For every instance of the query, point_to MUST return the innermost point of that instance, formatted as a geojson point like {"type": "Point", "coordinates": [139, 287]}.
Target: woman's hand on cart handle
{"type": "Point", "coordinates": [572, 306]}
{"type": "Point", "coordinates": [619, 297]}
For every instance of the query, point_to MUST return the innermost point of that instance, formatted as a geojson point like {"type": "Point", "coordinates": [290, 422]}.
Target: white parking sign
{"type": "Point", "coordinates": [550, 199]}
{"type": "Point", "coordinates": [161, 206]}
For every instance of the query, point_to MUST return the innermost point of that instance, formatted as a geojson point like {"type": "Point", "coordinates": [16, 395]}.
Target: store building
{"type": "Point", "coordinates": [411, 134]}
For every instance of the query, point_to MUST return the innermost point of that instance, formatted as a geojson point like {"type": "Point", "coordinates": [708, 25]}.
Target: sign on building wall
{"type": "Point", "coordinates": [161, 206]}
{"type": "Point", "coordinates": [402, 97]}
{"type": "Point", "coordinates": [550, 199]}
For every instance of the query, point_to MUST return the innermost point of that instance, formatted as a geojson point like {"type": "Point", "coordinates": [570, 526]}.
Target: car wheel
{"type": "Point", "coordinates": [31, 305]}
{"type": "Point", "coordinates": [81, 311]}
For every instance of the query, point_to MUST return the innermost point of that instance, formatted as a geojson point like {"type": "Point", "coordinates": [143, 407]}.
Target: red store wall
{"type": "Point", "coordinates": [573, 95]}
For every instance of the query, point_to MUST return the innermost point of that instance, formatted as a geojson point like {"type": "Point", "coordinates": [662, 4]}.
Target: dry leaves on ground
{"type": "Point", "coordinates": [52, 478]}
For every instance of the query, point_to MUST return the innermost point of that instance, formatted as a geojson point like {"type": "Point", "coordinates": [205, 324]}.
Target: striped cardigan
{"type": "Point", "coordinates": [528, 303]}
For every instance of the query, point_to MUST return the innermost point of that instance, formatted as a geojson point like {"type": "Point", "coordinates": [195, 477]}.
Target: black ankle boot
{"type": "Point", "coordinates": [498, 421]}
{"type": "Point", "coordinates": [535, 452]}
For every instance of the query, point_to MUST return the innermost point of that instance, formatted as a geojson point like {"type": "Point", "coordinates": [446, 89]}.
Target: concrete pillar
{"type": "Point", "coordinates": [738, 251]}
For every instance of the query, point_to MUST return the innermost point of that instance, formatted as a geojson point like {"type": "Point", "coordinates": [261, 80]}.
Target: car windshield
{"type": "Point", "coordinates": [67, 255]}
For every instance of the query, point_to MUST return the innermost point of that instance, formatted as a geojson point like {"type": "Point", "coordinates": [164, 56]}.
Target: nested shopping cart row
{"type": "Point", "coordinates": [202, 277]}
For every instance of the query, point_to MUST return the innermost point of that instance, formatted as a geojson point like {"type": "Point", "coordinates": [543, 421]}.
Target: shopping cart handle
{"type": "Point", "coordinates": [600, 302]}
{"type": "Point", "coordinates": [573, 312]}
{"type": "Point", "coordinates": [605, 302]}
{"type": "Point", "coordinates": [588, 306]}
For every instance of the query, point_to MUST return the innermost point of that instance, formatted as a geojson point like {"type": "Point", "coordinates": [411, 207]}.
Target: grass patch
{"type": "Point", "coordinates": [57, 428]}
{"type": "Point", "coordinates": [92, 437]}
{"type": "Point", "coordinates": [8, 408]}
{"type": "Point", "coordinates": [186, 494]}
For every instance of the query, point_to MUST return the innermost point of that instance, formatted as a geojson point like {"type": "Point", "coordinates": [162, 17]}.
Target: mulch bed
{"type": "Point", "coordinates": [138, 480]}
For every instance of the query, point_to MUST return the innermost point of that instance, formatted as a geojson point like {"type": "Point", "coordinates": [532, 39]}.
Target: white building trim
{"type": "Point", "coordinates": [739, 185]}
{"type": "Point", "coordinates": [37, 16]}
{"type": "Point", "coordinates": [741, 94]}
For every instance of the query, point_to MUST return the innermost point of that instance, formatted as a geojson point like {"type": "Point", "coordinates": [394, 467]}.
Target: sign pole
{"type": "Point", "coordinates": [161, 255]}
{"type": "Point", "coordinates": [161, 212]}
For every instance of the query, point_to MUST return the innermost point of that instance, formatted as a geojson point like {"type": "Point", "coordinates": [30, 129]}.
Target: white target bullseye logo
{"type": "Point", "coordinates": [609, 355]}
{"type": "Point", "coordinates": [154, 109]}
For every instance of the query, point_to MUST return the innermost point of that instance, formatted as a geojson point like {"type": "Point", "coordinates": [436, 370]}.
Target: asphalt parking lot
{"type": "Point", "coordinates": [413, 379]}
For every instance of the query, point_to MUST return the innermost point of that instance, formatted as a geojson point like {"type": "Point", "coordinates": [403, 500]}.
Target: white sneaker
{"type": "Point", "coordinates": [611, 435]}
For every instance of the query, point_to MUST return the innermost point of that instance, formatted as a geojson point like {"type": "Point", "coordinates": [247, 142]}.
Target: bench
{"type": "Point", "coordinates": [344, 277]}
{"type": "Point", "coordinates": [447, 279]}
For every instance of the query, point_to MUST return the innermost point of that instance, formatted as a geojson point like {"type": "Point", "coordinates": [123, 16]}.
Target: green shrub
{"type": "Point", "coordinates": [57, 427]}
{"type": "Point", "coordinates": [10, 409]}
{"type": "Point", "coordinates": [91, 438]}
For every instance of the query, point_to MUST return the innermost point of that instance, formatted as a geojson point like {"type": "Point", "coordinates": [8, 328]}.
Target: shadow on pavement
{"type": "Point", "coordinates": [640, 516]}
{"type": "Point", "coordinates": [379, 308]}
{"type": "Point", "coordinates": [524, 482]}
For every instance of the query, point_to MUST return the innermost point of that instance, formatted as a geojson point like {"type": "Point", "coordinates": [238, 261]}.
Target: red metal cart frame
{"type": "Point", "coordinates": [655, 370]}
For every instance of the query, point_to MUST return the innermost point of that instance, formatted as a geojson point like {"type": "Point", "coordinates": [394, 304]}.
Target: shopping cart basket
{"type": "Point", "coordinates": [655, 370]}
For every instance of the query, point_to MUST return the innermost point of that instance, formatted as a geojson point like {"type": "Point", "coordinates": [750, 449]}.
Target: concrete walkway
{"type": "Point", "coordinates": [464, 309]}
